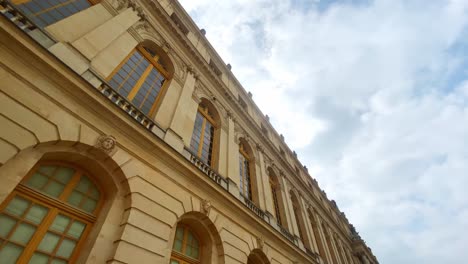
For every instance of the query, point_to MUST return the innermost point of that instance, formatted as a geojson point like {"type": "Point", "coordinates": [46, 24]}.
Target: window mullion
{"type": "Point", "coordinates": [202, 137]}
{"type": "Point", "coordinates": [140, 82]}
{"type": "Point", "coordinates": [38, 235]}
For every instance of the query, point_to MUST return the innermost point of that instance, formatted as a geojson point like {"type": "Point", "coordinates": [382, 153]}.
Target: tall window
{"type": "Point", "coordinates": [203, 134]}
{"type": "Point", "coordinates": [299, 220]}
{"type": "Point", "coordinates": [140, 78]}
{"type": "Point", "coordinates": [47, 12]}
{"type": "Point", "coordinates": [48, 216]}
{"type": "Point", "coordinates": [186, 248]}
{"type": "Point", "coordinates": [274, 195]}
{"type": "Point", "coordinates": [318, 238]}
{"type": "Point", "coordinates": [244, 171]}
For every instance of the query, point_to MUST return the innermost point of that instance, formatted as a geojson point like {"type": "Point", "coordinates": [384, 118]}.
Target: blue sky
{"type": "Point", "coordinates": [373, 95]}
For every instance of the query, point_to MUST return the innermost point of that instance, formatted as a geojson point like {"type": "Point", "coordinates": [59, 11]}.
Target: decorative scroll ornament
{"type": "Point", "coordinates": [106, 143]}
{"type": "Point", "coordinates": [205, 206]}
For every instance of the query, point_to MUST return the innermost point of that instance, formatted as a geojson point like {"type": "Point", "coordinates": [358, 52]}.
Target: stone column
{"type": "Point", "coordinates": [339, 248]}
{"type": "Point", "coordinates": [265, 182]}
{"type": "Point", "coordinates": [324, 236]}
{"type": "Point", "coordinates": [233, 158]}
{"type": "Point", "coordinates": [180, 130]}
{"type": "Point", "coordinates": [293, 228]}
{"type": "Point", "coordinates": [99, 38]}
{"type": "Point", "coordinates": [307, 225]}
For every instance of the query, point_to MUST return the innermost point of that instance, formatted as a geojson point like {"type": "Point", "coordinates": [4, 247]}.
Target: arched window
{"type": "Point", "coordinates": [186, 248]}
{"type": "Point", "coordinates": [44, 13]}
{"type": "Point", "coordinates": [47, 217]}
{"type": "Point", "coordinates": [299, 220]}
{"type": "Point", "coordinates": [203, 136]}
{"type": "Point", "coordinates": [245, 185]}
{"type": "Point", "coordinates": [141, 78]}
{"type": "Point", "coordinates": [277, 198]}
{"type": "Point", "coordinates": [329, 243]}
{"type": "Point", "coordinates": [318, 238]}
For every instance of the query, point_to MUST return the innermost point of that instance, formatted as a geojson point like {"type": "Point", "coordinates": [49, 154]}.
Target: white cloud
{"type": "Point", "coordinates": [365, 91]}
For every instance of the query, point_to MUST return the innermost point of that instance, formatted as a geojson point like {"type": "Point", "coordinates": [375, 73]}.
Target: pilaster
{"type": "Point", "coordinates": [233, 158]}
{"type": "Point", "coordinates": [180, 129]}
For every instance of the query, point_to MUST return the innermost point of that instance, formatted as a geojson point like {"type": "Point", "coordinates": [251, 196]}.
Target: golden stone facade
{"type": "Point", "coordinates": [124, 138]}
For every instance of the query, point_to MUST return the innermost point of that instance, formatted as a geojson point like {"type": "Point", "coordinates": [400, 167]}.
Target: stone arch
{"type": "Point", "coordinates": [257, 257]}
{"type": "Point", "coordinates": [103, 168]}
{"type": "Point", "coordinates": [212, 251]}
{"type": "Point", "coordinates": [163, 53]}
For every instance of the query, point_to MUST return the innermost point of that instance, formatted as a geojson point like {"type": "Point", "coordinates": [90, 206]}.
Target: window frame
{"type": "Point", "coordinates": [274, 194]}
{"type": "Point", "coordinates": [138, 85]}
{"type": "Point", "coordinates": [204, 112]}
{"type": "Point", "coordinates": [180, 256]}
{"type": "Point", "coordinates": [16, 3]}
{"type": "Point", "coordinates": [55, 207]}
{"type": "Point", "coordinates": [244, 178]}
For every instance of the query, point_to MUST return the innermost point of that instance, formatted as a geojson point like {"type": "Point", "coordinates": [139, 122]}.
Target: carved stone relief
{"type": "Point", "coordinates": [106, 143]}
{"type": "Point", "coordinates": [205, 207]}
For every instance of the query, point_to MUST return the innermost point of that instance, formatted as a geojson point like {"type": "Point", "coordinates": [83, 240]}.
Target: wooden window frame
{"type": "Point", "coordinates": [274, 194]}
{"type": "Point", "coordinates": [204, 111]}
{"type": "Point", "coordinates": [152, 61]}
{"type": "Point", "coordinates": [180, 256]}
{"type": "Point", "coordinates": [55, 206]}
{"type": "Point", "coordinates": [249, 194]}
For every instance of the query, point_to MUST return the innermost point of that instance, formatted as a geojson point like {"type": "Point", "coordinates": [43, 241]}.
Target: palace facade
{"type": "Point", "coordinates": [124, 138]}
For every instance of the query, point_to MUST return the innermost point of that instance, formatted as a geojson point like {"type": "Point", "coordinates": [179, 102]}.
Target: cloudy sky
{"type": "Point", "coordinates": [373, 95]}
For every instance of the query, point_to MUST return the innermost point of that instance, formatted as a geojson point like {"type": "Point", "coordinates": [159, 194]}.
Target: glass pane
{"type": "Point", "coordinates": [188, 251]}
{"type": "Point", "coordinates": [66, 248]}
{"type": "Point", "coordinates": [89, 205]}
{"type": "Point", "coordinates": [54, 189]}
{"type": "Point", "coordinates": [76, 229]}
{"type": "Point", "coordinates": [6, 224]}
{"type": "Point", "coordinates": [49, 242]}
{"type": "Point", "coordinates": [75, 198]}
{"type": "Point", "coordinates": [37, 181]}
{"type": "Point", "coordinates": [178, 245]}
{"type": "Point", "coordinates": [10, 253]}
{"type": "Point", "coordinates": [39, 258]}
{"type": "Point", "coordinates": [94, 193]}
{"type": "Point", "coordinates": [60, 223]}
{"type": "Point", "coordinates": [36, 213]}
{"type": "Point", "coordinates": [17, 206]}
{"type": "Point", "coordinates": [48, 170]}
{"type": "Point", "coordinates": [195, 253]}
{"type": "Point", "coordinates": [58, 261]}
{"type": "Point", "coordinates": [180, 233]}
{"type": "Point", "coordinates": [64, 175]}
{"type": "Point", "coordinates": [83, 185]}
{"type": "Point", "coordinates": [23, 233]}
{"type": "Point", "coordinates": [173, 261]}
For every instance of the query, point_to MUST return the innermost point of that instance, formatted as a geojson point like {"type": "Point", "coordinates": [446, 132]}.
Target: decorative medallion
{"type": "Point", "coordinates": [106, 143]}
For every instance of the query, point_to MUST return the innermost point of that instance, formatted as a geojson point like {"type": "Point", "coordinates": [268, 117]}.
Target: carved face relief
{"type": "Point", "coordinates": [106, 143]}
